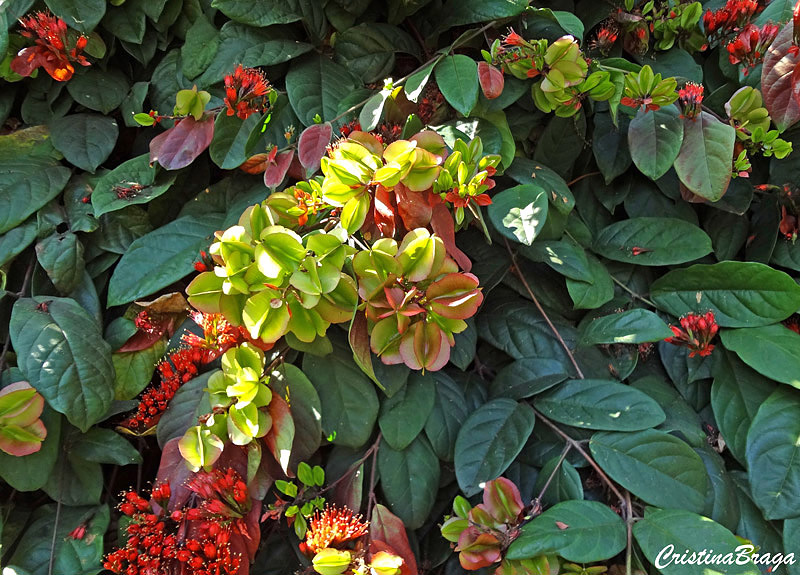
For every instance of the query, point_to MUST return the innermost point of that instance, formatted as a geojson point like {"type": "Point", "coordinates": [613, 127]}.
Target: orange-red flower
{"type": "Point", "coordinates": [246, 92]}
{"type": "Point", "coordinates": [333, 526]}
{"type": "Point", "coordinates": [53, 50]}
{"type": "Point", "coordinates": [690, 98]}
{"type": "Point", "coordinates": [695, 333]}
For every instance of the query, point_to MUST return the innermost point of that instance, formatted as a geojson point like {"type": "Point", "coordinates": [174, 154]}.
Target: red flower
{"type": "Point", "coordinates": [462, 201]}
{"type": "Point", "coordinates": [513, 39]}
{"type": "Point", "coordinates": [691, 99]}
{"type": "Point", "coordinates": [52, 51]}
{"type": "Point", "coordinates": [751, 44]}
{"type": "Point", "coordinates": [224, 493]}
{"type": "Point", "coordinates": [646, 102]}
{"type": "Point", "coordinates": [729, 19]}
{"type": "Point", "coordinates": [606, 38]}
{"type": "Point", "coordinates": [246, 92]}
{"type": "Point", "coordinates": [333, 526]}
{"type": "Point", "coordinates": [78, 533]}
{"type": "Point", "coordinates": [696, 333]}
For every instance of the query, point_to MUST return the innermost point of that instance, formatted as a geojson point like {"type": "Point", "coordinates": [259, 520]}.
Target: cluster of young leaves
{"type": "Point", "coordinates": [614, 214]}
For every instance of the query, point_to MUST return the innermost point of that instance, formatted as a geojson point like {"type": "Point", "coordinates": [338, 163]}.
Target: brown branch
{"type": "Point", "coordinates": [577, 445]}
{"type": "Point", "coordinates": [564, 452]}
{"type": "Point", "coordinates": [371, 501]}
{"type": "Point", "coordinates": [579, 178]}
{"type": "Point", "coordinates": [553, 328]}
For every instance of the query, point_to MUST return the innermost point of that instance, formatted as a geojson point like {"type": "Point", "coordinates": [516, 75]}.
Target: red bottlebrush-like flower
{"type": "Point", "coordinates": [605, 38]}
{"type": "Point", "coordinates": [334, 526]}
{"type": "Point", "coordinates": [224, 493]}
{"type": "Point", "coordinates": [246, 92]}
{"type": "Point", "coordinates": [696, 332]}
{"type": "Point", "coordinates": [691, 100]}
{"type": "Point", "coordinates": [751, 44]}
{"type": "Point", "coordinates": [161, 543]}
{"type": "Point", "coordinates": [54, 51]}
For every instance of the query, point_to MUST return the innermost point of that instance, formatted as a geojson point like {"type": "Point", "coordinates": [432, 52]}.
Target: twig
{"type": "Point", "coordinates": [629, 524]}
{"type": "Point", "coordinates": [564, 453]}
{"type": "Point", "coordinates": [62, 457]}
{"type": "Point", "coordinates": [579, 178]}
{"type": "Point", "coordinates": [586, 456]}
{"type": "Point", "coordinates": [371, 500]}
{"type": "Point", "coordinates": [631, 292]}
{"type": "Point", "coordinates": [399, 82]}
{"type": "Point", "coordinates": [354, 465]}
{"type": "Point", "coordinates": [25, 282]}
{"type": "Point", "coordinates": [544, 314]}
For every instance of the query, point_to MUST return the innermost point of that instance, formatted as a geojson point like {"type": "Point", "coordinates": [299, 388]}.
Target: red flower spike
{"type": "Point", "coordinates": [333, 526]}
{"type": "Point", "coordinates": [246, 92]}
{"type": "Point", "coordinates": [690, 98]}
{"type": "Point", "coordinates": [695, 333]}
{"type": "Point", "coordinates": [51, 50]}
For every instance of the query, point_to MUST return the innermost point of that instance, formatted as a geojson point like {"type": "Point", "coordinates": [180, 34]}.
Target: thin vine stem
{"type": "Point", "coordinates": [541, 311]}
{"type": "Point", "coordinates": [579, 448]}
{"type": "Point", "coordinates": [633, 293]}
{"type": "Point", "coordinates": [561, 459]}
{"type": "Point", "coordinates": [371, 501]}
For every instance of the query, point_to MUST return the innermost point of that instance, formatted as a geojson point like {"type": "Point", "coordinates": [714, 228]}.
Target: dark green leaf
{"type": "Point", "coordinates": [772, 445]}
{"type": "Point", "coordinates": [704, 161]}
{"type": "Point", "coordinates": [526, 377]}
{"type": "Point", "coordinates": [227, 149]}
{"type": "Point", "coordinates": [447, 416]}
{"type": "Point", "coordinates": [105, 446]}
{"type": "Point", "coordinates": [83, 15]}
{"type": "Point", "coordinates": [200, 48]}
{"type": "Point", "coordinates": [348, 398]}
{"type": "Point", "coordinates": [688, 533]}
{"type": "Point", "coordinates": [134, 369]}
{"type": "Point", "coordinates": [189, 402]}
{"type": "Point", "coordinates": [315, 86]}
{"type": "Point", "coordinates": [658, 241]}
{"type": "Point", "coordinates": [30, 472]}
{"type": "Point", "coordinates": [460, 12]}
{"type": "Point", "coordinates": [457, 78]}
{"type": "Point", "coordinates": [403, 415]}
{"type": "Point", "coordinates": [653, 465]}
{"type": "Point", "coordinates": [61, 256]}
{"type": "Point", "coordinates": [168, 254]}
{"type": "Point", "coordinates": [771, 350]}
{"type": "Point", "coordinates": [409, 480]}
{"type": "Point", "coordinates": [655, 139]}
{"type": "Point", "coordinates": [565, 485]}
{"type": "Point", "coordinates": [592, 295]}
{"type": "Point", "coordinates": [132, 182]}
{"type": "Point", "coordinates": [99, 90]}
{"type": "Point", "coordinates": [63, 355]}
{"type": "Point", "coordinates": [519, 213]}
{"type": "Point", "coordinates": [582, 531]}
{"type": "Point", "coordinates": [26, 186]}
{"type": "Point", "coordinates": [368, 49]}
{"type": "Point", "coordinates": [262, 13]}
{"type": "Point", "coordinates": [600, 404]}
{"type": "Point", "coordinates": [86, 140]}
{"type": "Point", "coordinates": [632, 326]}
{"type": "Point", "coordinates": [490, 439]}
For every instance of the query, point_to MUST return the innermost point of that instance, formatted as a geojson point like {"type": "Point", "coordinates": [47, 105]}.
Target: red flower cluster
{"type": "Point", "coordinates": [246, 92]}
{"type": "Point", "coordinates": [184, 364]}
{"type": "Point", "coordinates": [224, 495]}
{"type": "Point", "coordinates": [333, 526]}
{"type": "Point", "coordinates": [605, 38]}
{"type": "Point", "coordinates": [751, 44]}
{"type": "Point", "coordinates": [52, 50]}
{"type": "Point", "coordinates": [179, 367]}
{"type": "Point", "coordinates": [691, 100]}
{"type": "Point", "coordinates": [182, 542]}
{"type": "Point", "coordinates": [729, 19]}
{"type": "Point", "coordinates": [696, 333]}
{"type": "Point", "coordinates": [431, 100]}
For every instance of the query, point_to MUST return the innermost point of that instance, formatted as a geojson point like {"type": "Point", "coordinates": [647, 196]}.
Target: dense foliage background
{"type": "Point", "coordinates": [554, 243]}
